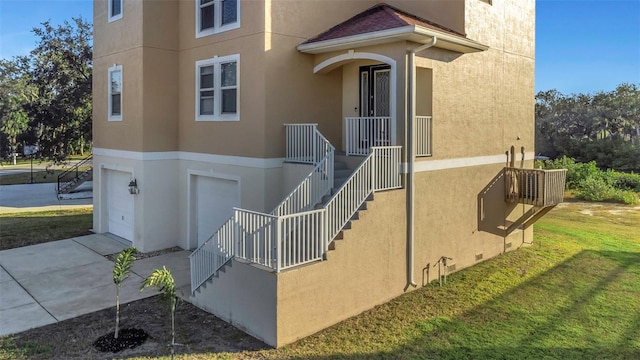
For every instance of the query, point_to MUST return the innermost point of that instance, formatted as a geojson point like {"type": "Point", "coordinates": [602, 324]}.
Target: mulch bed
{"type": "Point", "coordinates": [141, 255]}
{"type": "Point", "coordinates": [196, 330]}
{"type": "Point", "coordinates": [127, 338]}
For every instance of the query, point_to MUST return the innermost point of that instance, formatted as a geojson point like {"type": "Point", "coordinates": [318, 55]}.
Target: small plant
{"type": "Point", "coordinates": [163, 281]}
{"type": "Point", "coordinates": [121, 270]}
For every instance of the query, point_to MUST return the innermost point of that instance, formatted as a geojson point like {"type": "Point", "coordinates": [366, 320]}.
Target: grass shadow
{"type": "Point", "coordinates": [587, 307]}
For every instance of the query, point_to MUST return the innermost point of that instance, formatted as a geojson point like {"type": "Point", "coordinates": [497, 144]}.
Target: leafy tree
{"type": "Point", "coordinates": [61, 70]}
{"type": "Point", "coordinates": [16, 93]}
{"type": "Point", "coordinates": [50, 90]}
{"type": "Point", "coordinates": [163, 281]}
{"type": "Point", "coordinates": [121, 270]}
{"type": "Point", "coordinates": [603, 127]}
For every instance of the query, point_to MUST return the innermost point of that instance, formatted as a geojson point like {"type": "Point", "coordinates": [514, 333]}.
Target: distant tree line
{"type": "Point", "coordinates": [603, 127]}
{"type": "Point", "coordinates": [45, 97]}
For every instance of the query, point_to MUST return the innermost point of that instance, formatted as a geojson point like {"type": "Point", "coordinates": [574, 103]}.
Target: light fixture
{"type": "Point", "coordinates": [133, 187]}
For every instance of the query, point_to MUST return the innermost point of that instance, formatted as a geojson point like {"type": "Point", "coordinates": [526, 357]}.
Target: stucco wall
{"type": "Point", "coordinates": [366, 268]}
{"type": "Point", "coordinates": [459, 213]}
{"type": "Point", "coordinates": [245, 297]}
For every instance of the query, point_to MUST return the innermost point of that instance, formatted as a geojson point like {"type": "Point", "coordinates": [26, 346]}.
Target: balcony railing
{"type": "Point", "coordinates": [423, 135]}
{"type": "Point", "coordinates": [362, 133]}
{"type": "Point", "coordinates": [534, 187]}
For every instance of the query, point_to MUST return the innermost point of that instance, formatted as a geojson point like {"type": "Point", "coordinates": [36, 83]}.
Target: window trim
{"type": "Point", "coordinates": [216, 61]}
{"type": "Point", "coordinates": [217, 20]}
{"type": "Point", "coordinates": [110, 115]}
{"type": "Point", "coordinates": [111, 17]}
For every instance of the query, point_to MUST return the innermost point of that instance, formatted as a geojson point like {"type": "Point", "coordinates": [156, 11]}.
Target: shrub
{"type": "Point", "coordinates": [624, 196]}
{"type": "Point", "coordinates": [576, 172]}
{"type": "Point", "coordinates": [627, 181]}
{"type": "Point", "coordinates": [593, 189]}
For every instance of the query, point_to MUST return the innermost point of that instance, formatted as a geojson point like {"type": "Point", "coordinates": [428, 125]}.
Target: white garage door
{"type": "Point", "coordinates": [215, 199]}
{"type": "Point", "coordinates": [119, 204]}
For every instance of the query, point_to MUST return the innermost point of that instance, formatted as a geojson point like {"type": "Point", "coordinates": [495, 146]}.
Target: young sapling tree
{"type": "Point", "coordinates": [121, 270]}
{"type": "Point", "coordinates": [163, 281]}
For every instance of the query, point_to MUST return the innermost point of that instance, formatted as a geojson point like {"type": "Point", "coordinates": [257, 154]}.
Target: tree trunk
{"type": "Point", "coordinates": [115, 334]}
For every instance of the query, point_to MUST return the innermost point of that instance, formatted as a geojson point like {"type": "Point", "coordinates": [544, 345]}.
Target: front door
{"type": "Point", "coordinates": [374, 90]}
{"type": "Point", "coordinates": [375, 105]}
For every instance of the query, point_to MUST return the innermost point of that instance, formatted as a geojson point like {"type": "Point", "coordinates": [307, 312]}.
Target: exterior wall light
{"type": "Point", "coordinates": [133, 187]}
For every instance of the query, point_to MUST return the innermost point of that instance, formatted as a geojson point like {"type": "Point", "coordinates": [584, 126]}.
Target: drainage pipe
{"type": "Point", "coordinates": [411, 154]}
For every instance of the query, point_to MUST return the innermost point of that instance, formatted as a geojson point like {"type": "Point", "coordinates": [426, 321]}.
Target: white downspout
{"type": "Point", "coordinates": [411, 154]}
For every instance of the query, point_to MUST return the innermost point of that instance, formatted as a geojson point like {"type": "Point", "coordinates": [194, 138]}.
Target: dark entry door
{"type": "Point", "coordinates": [374, 90]}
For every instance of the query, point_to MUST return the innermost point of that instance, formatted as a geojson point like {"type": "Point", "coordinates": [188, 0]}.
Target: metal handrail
{"type": "Point", "coordinates": [74, 172]}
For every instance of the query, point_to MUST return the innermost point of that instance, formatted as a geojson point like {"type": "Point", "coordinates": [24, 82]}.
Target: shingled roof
{"type": "Point", "coordinates": [378, 18]}
{"type": "Point", "coordinates": [384, 23]}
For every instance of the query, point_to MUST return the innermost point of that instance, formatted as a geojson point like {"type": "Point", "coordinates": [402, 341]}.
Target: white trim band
{"type": "Point", "coordinates": [446, 164]}
{"type": "Point", "coordinates": [260, 163]}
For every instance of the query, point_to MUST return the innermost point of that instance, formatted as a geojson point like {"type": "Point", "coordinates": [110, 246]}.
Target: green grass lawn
{"type": "Point", "coordinates": [574, 294]}
{"type": "Point", "coordinates": [29, 228]}
{"type": "Point", "coordinates": [39, 177]}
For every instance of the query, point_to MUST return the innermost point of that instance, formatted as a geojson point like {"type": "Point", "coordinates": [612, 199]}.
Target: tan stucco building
{"type": "Point", "coordinates": [318, 157]}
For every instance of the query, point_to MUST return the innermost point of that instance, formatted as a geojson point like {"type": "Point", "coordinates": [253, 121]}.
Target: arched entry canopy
{"type": "Point", "coordinates": [371, 50]}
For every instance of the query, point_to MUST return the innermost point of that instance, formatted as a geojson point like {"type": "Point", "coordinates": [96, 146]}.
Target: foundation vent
{"type": "Point", "coordinates": [479, 257]}
{"type": "Point", "coordinates": [507, 245]}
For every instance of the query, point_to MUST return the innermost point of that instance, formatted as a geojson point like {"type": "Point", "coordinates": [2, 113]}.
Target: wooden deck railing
{"type": "Point", "coordinates": [533, 186]}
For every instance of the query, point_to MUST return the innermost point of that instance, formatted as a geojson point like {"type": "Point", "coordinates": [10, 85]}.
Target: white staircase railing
{"type": "Point", "coordinates": [213, 254]}
{"type": "Point", "coordinates": [319, 181]}
{"type": "Point", "coordinates": [362, 133]}
{"type": "Point", "coordinates": [280, 240]}
{"type": "Point", "coordinates": [249, 235]}
{"type": "Point", "coordinates": [380, 170]}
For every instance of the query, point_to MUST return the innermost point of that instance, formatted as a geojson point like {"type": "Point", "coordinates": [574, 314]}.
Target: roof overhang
{"type": "Point", "coordinates": [413, 33]}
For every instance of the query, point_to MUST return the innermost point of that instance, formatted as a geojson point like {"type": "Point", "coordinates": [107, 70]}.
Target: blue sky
{"type": "Point", "coordinates": [581, 45]}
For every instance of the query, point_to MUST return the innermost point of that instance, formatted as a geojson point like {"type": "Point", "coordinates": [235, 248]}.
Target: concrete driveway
{"type": "Point", "coordinates": [55, 281]}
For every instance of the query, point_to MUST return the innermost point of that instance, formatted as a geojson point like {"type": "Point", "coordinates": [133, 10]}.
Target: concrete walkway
{"type": "Point", "coordinates": [59, 280]}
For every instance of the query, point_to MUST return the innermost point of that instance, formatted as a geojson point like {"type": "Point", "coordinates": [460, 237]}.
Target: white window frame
{"type": "Point", "coordinates": [217, 21]}
{"type": "Point", "coordinates": [115, 17]}
{"type": "Point", "coordinates": [111, 116]}
{"type": "Point", "coordinates": [217, 88]}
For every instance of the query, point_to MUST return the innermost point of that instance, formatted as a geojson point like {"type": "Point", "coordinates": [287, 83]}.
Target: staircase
{"type": "Point", "coordinates": [299, 230]}
{"type": "Point", "coordinates": [75, 176]}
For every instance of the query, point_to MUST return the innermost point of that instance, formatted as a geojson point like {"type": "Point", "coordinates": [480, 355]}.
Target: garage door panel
{"type": "Point", "coordinates": [215, 200]}
{"type": "Point", "coordinates": [119, 205]}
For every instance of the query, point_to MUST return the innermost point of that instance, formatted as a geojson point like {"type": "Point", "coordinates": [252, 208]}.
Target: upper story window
{"type": "Point", "coordinates": [217, 89]}
{"type": "Point", "coordinates": [215, 16]}
{"type": "Point", "coordinates": [115, 93]}
{"type": "Point", "coordinates": [115, 10]}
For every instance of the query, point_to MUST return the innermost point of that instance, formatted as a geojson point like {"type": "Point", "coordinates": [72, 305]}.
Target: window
{"type": "Point", "coordinates": [115, 10]}
{"type": "Point", "coordinates": [115, 93]}
{"type": "Point", "coordinates": [215, 16]}
{"type": "Point", "coordinates": [217, 89]}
